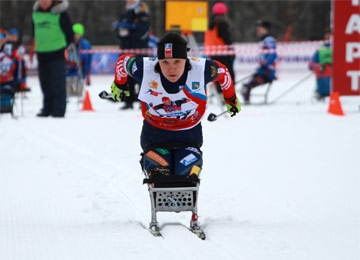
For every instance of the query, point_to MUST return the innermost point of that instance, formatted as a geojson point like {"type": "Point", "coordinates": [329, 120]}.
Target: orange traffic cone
{"type": "Point", "coordinates": [335, 105]}
{"type": "Point", "coordinates": [87, 102]}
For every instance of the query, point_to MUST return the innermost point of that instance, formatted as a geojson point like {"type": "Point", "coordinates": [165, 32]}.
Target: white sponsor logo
{"type": "Point", "coordinates": [189, 159]}
{"type": "Point", "coordinates": [192, 149]}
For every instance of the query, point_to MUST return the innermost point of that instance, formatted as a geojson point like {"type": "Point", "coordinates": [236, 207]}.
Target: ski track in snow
{"type": "Point", "coordinates": [271, 186]}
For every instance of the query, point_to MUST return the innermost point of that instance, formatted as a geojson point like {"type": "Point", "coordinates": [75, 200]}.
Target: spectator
{"type": "Point", "coordinates": [266, 72]}
{"type": "Point", "coordinates": [78, 63]}
{"type": "Point", "coordinates": [321, 64]}
{"type": "Point", "coordinates": [14, 48]}
{"type": "Point", "coordinates": [173, 98]}
{"type": "Point", "coordinates": [133, 30]}
{"type": "Point", "coordinates": [8, 65]}
{"type": "Point", "coordinates": [50, 44]}
{"type": "Point", "coordinates": [219, 34]}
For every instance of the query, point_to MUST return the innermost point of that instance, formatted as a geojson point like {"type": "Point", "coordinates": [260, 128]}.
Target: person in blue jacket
{"type": "Point", "coordinates": [78, 63]}
{"type": "Point", "coordinates": [133, 31]}
{"type": "Point", "coordinates": [321, 64]}
{"type": "Point", "coordinates": [266, 71]}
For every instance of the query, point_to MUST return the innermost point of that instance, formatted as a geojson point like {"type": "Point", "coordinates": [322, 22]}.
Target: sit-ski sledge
{"type": "Point", "coordinates": [174, 193]}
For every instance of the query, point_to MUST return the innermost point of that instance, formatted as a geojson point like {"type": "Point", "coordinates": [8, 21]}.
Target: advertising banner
{"type": "Point", "coordinates": [346, 47]}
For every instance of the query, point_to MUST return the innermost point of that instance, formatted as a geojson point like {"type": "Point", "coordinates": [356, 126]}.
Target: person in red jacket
{"type": "Point", "coordinates": [8, 75]}
{"type": "Point", "coordinates": [17, 50]}
{"type": "Point", "coordinates": [219, 34]}
{"type": "Point", "coordinates": [173, 99]}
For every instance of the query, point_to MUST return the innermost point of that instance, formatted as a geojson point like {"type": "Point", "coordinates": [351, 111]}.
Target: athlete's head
{"type": "Point", "coordinates": [172, 55]}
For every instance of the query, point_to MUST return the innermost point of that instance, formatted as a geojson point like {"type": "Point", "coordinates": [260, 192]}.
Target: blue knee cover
{"type": "Point", "coordinates": [156, 158]}
{"type": "Point", "coordinates": [180, 161]}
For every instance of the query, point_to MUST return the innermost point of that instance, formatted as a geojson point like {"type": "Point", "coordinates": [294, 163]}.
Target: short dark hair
{"type": "Point", "coordinates": [327, 30]}
{"type": "Point", "coordinates": [264, 24]}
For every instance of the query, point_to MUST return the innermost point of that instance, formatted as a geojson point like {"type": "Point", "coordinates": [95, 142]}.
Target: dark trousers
{"type": "Point", "coordinates": [255, 81]}
{"type": "Point", "coordinates": [152, 137]}
{"type": "Point", "coordinates": [53, 86]}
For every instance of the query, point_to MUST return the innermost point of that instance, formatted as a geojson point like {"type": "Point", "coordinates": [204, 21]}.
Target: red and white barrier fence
{"type": "Point", "coordinates": [235, 49]}
{"type": "Point", "coordinates": [291, 56]}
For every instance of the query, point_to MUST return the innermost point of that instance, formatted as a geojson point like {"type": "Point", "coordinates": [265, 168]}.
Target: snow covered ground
{"type": "Point", "coordinates": [279, 182]}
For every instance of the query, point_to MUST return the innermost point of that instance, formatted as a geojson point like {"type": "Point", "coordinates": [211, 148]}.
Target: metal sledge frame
{"type": "Point", "coordinates": [266, 94]}
{"type": "Point", "coordinates": [9, 109]}
{"type": "Point", "coordinates": [77, 81]}
{"type": "Point", "coordinates": [173, 194]}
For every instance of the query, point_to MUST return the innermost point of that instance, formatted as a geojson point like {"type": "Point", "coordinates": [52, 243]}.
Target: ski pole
{"type": "Point", "coordinates": [240, 80]}
{"type": "Point", "coordinates": [291, 88]}
{"type": "Point", "coordinates": [213, 117]}
{"type": "Point", "coordinates": [105, 95]}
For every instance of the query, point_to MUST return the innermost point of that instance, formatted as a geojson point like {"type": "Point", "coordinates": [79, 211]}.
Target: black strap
{"type": "Point", "coordinates": [171, 146]}
{"type": "Point", "coordinates": [173, 180]}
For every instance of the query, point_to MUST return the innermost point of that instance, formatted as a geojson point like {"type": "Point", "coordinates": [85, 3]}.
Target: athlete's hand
{"type": "Point", "coordinates": [119, 92]}
{"type": "Point", "coordinates": [233, 107]}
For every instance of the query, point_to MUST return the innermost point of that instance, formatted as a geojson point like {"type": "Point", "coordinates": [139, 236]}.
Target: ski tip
{"type": "Point", "coordinates": [202, 236]}
{"type": "Point", "coordinates": [199, 234]}
{"type": "Point", "coordinates": [156, 233]}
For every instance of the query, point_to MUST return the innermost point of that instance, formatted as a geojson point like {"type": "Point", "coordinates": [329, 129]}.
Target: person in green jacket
{"type": "Point", "coordinates": [52, 31]}
{"type": "Point", "coordinates": [321, 64]}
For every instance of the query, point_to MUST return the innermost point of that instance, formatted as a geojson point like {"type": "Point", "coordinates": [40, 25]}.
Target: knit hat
{"type": "Point", "coordinates": [78, 28]}
{"type": "Point", "coordinates": [264, 24]}
{"type": "Point", "coordinates": [219, 8]}
{"type": "Point", "coordinates": [172, 46]}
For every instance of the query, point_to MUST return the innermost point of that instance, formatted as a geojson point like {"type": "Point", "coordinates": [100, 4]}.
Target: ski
{"type": "Point", "coordinates": [155, 232]}
{"type": "Point", "coordinates": [155, 229]}
{"type": "Point", "coordinates": [196, 230]}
